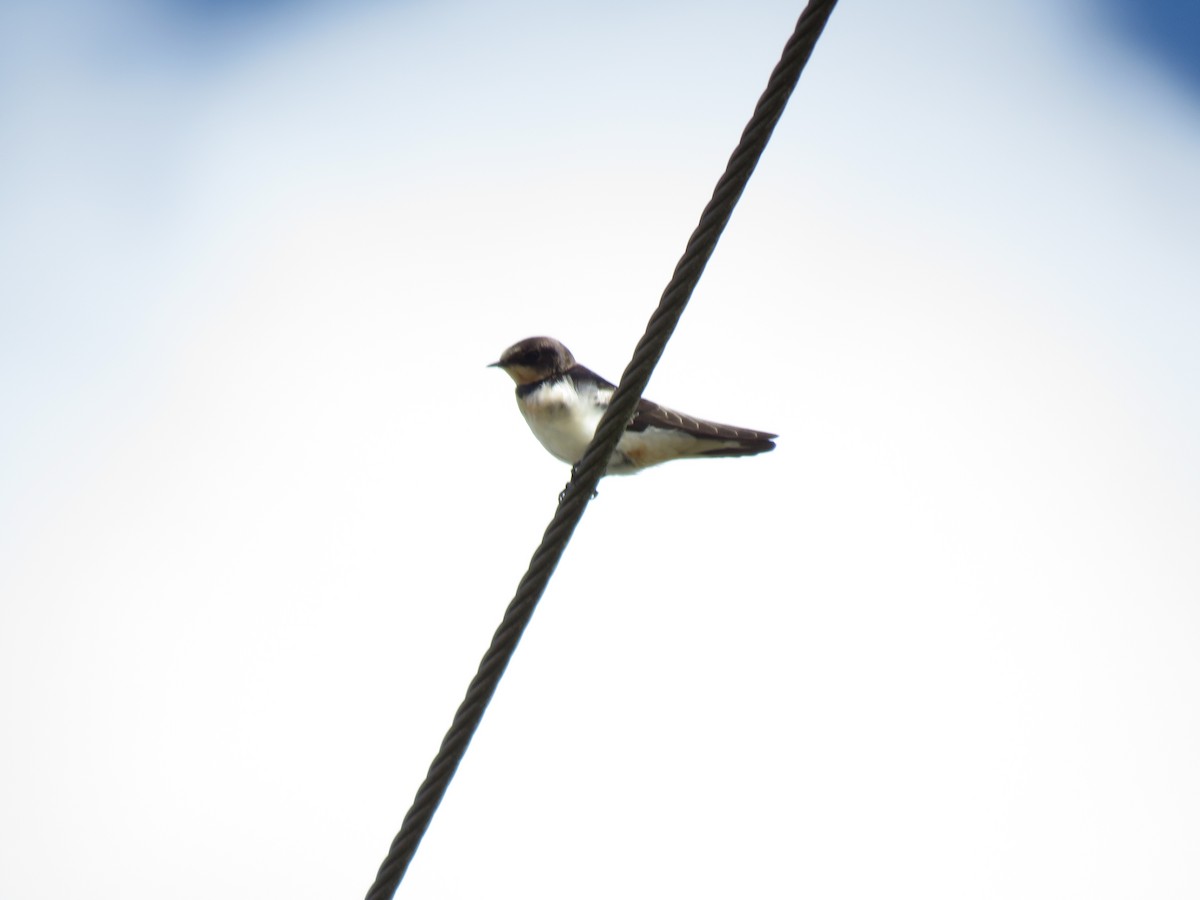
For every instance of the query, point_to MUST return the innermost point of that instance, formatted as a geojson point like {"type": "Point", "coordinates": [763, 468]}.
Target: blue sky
{"type": "Point", "coordinates": [261, 504]}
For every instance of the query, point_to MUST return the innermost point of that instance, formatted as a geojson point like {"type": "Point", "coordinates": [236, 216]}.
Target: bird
{"type": "Point", "coordinates": [562, 402]}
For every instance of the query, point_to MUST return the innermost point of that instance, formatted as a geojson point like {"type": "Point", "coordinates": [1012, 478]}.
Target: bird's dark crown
{"type": "Point", "coordinates": [535, 358]}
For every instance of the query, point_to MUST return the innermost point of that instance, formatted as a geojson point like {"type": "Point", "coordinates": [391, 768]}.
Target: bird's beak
{"type": "Point", "coordinates": [495, 365]}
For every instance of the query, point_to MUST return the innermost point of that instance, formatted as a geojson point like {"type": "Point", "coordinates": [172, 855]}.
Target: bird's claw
{"type": "Point", "coordinates": [563, 493]}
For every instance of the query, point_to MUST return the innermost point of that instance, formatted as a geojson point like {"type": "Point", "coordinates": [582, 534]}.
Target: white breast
{"type": "Point", "coordinates": [562, 418]}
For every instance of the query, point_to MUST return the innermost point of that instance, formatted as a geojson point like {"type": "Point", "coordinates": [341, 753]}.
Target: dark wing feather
{"type": "Point", "coordinates": [651, 415]}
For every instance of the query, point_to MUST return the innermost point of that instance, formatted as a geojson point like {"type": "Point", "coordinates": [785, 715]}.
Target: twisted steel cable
{"type": "Point", "coordinates": [587, 473]}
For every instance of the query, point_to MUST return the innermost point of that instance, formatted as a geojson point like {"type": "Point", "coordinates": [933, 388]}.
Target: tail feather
{"type": "Point", "coordinates": [748, 447]}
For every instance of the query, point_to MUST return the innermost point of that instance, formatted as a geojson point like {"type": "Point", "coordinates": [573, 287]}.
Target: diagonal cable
{"type": "Point", "coordinates": [588, 471]}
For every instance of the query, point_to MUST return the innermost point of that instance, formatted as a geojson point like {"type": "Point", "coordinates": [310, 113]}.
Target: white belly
{"type": "Point", "coordinates": [562, 420]}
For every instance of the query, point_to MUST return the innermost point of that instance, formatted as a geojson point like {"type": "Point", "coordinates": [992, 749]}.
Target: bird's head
{"type": "Point", "coordinates": [535, 358]}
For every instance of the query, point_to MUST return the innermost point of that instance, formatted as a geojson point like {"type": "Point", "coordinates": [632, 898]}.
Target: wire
{"type": "Point", "coordinates": [587, 473]}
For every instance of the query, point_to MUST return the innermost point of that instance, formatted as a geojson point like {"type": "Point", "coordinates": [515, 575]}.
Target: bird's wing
{"type": "Point", "coordinates": [651, 415]}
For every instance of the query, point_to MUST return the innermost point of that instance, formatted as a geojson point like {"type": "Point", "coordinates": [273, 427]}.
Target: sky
{"type": "Point", "coordinates": [262, 504]}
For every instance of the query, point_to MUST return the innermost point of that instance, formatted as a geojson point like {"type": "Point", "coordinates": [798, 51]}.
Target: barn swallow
{"type": "Point", "coordinates": [562, 402]}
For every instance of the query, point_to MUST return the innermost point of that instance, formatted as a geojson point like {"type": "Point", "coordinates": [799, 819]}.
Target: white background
{"type": "Point", "coordinates": [262, 505]}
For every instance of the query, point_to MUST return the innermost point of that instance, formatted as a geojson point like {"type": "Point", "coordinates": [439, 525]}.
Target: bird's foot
{"type": "Point", "coordinates": [563, 493]}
